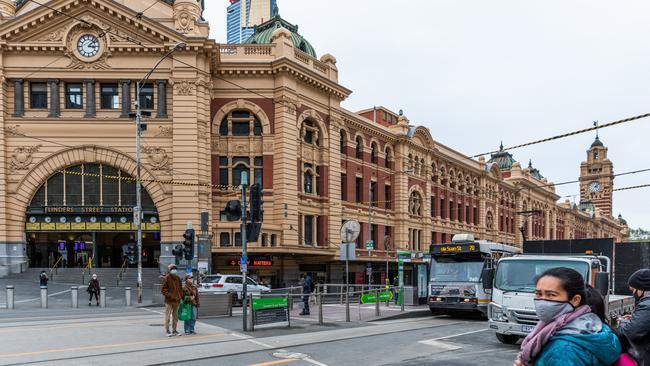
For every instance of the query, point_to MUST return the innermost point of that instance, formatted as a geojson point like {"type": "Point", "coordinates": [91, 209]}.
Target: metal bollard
{"type": "Point", "coordinates": [10, 296]}
{"type": "Point", "coordinates": [347, 304]}
{"type": "Point", "coordinates": [127, 295]}
{"type": "Point", "coordinates": [320, 309]}
{"type": "Point", "coordinates": [401, 298]}
{"type": "Point", "coordinates": [74, 296]}
{"type": "Point", "coordinates": [377, 312]}
{"type": "Point", "coordinates": [43, 297]}
{"type": "Point", "coordinates": [102, 297]}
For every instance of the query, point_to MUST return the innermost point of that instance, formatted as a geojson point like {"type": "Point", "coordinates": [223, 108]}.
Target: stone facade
{"type": "Point", "coordinates": [269, 109]}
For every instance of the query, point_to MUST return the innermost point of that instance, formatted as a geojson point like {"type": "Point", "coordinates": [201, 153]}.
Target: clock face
{"type": "Point", "coordinates": [77, 219]}
{"type": "Point", "coordinates": [153, 220]}
{"type": "Point", "coordinates": [32, 219]}
{"type": "Point", "coordinates": [108, 219]}
{"type": "Point", "coordinates": [123, 219]}
{"type": "Point", "coordinates": [62, 220]}
{"type": "Point", "coordinates": [93, 219]}
{"type": "Point", "coordinates": [48, 219]}
{"type": "Point", "coordinates": [88, 45]}
{"type": "Point", "coordinates": [594, 187]}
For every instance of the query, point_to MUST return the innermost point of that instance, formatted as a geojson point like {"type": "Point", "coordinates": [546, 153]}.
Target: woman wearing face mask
{"type": "Point", "coordinates": [637, 327]}
{"type": "Point", "coordinates": [568, 333]}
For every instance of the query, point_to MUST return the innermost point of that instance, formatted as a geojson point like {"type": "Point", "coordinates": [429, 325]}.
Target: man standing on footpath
{"type": "Point", "coordinates": [636, 328]}
{"type": "Point", "coordinates": [307, 288]}
{"type": "Point", "coordinates": [173, 292]}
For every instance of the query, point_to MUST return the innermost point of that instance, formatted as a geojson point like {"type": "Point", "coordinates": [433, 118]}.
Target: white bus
{"type": "Point", "coordinates": [456, 269]}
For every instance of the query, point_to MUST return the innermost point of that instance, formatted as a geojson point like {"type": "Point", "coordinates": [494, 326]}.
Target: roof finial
{"type": "Point", "coordinates": [501, 147]}
{"type": "Point", "coordinates": [276, 10]}
{"type": "Point", "coordinates": [596, 125]}
{"type": "Point", "coordinates": [530, 163]}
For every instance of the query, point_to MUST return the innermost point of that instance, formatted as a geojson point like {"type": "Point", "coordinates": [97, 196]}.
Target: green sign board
{"type": "Point", "coordinates": [270, 303]}
{"type": "Point", "coordinates": [383, 296]}
{"type": "Point", "coordinates": [370, 245]}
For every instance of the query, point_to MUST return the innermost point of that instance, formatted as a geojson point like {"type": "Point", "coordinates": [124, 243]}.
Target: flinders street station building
{"type": "Point", "coordinates": [270, 107]}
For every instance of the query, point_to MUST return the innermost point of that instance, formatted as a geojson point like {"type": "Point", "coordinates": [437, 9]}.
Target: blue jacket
{"type": "Point", "coordinates": [592, 349]}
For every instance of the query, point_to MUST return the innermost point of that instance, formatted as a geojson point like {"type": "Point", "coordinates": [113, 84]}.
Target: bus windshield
{"type": "Point", "coordinates": [520, 275]}
{"type": "Point", "coordinates": [447, 270]}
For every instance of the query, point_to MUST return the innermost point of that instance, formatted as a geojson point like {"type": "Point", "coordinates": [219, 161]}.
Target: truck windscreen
{"type": "Point", "coordinates": [450, 270]}
{"type": "Point", "coordinates": [519, 275]}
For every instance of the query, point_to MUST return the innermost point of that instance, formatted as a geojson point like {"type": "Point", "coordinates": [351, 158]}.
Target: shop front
{"type": "Point", "coordinates": [85, 213]}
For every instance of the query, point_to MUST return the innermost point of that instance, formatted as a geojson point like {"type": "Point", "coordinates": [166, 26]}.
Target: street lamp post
{"type": "Point", "coordinates": [137, 211]}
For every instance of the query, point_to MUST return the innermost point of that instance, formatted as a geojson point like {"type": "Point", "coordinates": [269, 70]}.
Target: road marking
{"type": "Point", "coordinates": [104, 346]}
{"type": "Point", "coordinates": [39, 328]}
{"type": "Point", "coordinates": [251, 339]}
{"type": "Point", "coordinates": [314, 362]}
{"type": "Point", "coordinates": [153, 311]}
{"type": "Point", "coordinates": [276, 362]}
{"type": "Point", "coordinates": [454, 335]}
{"type": "Point", "coordinates": [443, 345]}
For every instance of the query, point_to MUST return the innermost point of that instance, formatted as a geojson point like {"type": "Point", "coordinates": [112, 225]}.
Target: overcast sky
{"type": "Point", "coordinates": [478, 72]}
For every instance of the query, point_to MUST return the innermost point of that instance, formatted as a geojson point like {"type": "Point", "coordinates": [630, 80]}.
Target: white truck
{"type": "Point", "coordinates": [511, 313]}
{"type": "Point", "coordinates": [456, 268]}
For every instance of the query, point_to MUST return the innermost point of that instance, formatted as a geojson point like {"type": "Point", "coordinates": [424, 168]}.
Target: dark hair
{"type": "Point", "coordinates": [570, 280]}
{"type": "Point", "coordinates": [596, 303]}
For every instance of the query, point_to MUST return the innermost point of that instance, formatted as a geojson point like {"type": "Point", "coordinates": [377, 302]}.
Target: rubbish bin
{"type": "Point", "coordinates": [410, 296]}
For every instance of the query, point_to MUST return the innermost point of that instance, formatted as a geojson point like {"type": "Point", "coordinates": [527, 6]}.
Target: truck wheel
{"type": "Point", "coordinates": [507, 338]}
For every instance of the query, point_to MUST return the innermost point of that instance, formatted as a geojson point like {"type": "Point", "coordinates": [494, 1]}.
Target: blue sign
{"type": "Point", "coordinates": [243, 261]}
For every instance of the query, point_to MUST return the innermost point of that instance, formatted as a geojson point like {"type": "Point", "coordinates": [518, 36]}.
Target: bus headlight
{"type": "Point", "coordinates": [497, 314]}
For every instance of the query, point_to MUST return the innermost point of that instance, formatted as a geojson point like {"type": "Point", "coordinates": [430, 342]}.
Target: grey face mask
{"type": "Point", "coordinates": [548, 310]}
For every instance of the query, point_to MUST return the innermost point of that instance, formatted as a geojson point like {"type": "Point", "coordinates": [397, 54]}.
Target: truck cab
{"type": "Point", "coordinates": [511, 312]}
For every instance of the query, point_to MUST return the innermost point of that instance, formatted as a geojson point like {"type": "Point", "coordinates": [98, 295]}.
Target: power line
{"type": "Point", "coordinates": [597, 127]}
{"type": "Point", "coordinates": [631, 187]}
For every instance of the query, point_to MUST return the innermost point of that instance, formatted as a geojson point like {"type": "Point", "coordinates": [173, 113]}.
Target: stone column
{"type": "Point", "coordinates": [19, 98]}
{"type": "Point", "coordinates": [126, 98]}
{"type": "Point", "coordinates": [55, 103]}
{"type": "Point", "coordinates": [91, 107]}
{"type": "Point", "coordinates": [161, 109]}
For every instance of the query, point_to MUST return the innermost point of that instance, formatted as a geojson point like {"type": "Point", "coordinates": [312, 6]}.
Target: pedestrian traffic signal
{"type": "Point", "coordinates": [257, 214]}
{"type": "Point", "coordinates": [188, 244]}
{"type": "Point", "coordinates": [178, 251]}
{"type": "Point", "coordinates": [130, 253]}
{"type": "Point", "coordinates": [253, 230]}
{"type": "Point", "coordinates": [233, 210]}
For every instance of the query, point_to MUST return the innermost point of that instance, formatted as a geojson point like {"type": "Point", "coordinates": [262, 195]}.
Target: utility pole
{"type": "Point", "coordinates": [137, 211]}
{"type": "Point", "coordinates": [370, 229]}
{"type": "Point", "coordinates": [244, 258]}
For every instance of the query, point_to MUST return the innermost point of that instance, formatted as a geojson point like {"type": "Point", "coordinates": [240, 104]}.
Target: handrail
{"type": "Point", "coordinates": [123, 269]}
{"type": "Point", "coordinates": [55, 266]}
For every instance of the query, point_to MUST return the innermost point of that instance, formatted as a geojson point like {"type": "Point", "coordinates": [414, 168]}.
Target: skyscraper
{"type": "Point", "coordinates": [244, 15]}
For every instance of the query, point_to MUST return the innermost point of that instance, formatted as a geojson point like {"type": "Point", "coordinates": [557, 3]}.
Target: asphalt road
{"type": "Point", "coordinates": [135, 337]}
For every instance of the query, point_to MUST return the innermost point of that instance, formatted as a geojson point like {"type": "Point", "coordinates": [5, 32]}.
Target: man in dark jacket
{"type": "Point", "coordinates": [93, 289]}
{"type": "Point", "coordinates": [637, 327]}
{"type": "Point", "coordinates": [307, 288]}
{"type": "Point", "coordinates": [173, 292]}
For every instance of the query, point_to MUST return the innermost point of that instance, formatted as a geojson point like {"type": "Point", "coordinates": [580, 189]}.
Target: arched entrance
{"type": "Point", "coordinates": [86, 212]}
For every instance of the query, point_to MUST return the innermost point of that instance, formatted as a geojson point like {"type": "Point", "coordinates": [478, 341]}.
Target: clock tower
{"type": "Point", "coordinates": [597, 178]}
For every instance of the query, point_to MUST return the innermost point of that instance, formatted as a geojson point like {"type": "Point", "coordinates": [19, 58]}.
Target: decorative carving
{"type": "Point", "coordinates": [165, 131]}
{"type": "Point", "coordinates": [185, 17]}
{"type": "Point", "coordinates": [158, 158]}
{"type": "Point", "coordinates": [22, 157]}
{"type": "Point", "coordinates": [291, 104]}
{"type": "Point", "coordinates": [268, 146]}
{"type": "Point", "coordinates": [184, 87]}
{"type": "Point", "coordinates": [52, 36]}
{"type": "Point", "coordinates": [241, 148]}
{"type": "Point", "coordinates": [89, 26]}
{"type": "Point", "coordinates": [13, 130]}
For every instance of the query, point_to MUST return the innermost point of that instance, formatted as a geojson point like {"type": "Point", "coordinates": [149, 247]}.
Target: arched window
{"type": "Point", "coordinates": [373, 153]}
{"type": "Point", "coordinates": [415, 204]}
{"type": "Point", "coordinates": [308, 182]}
{"type": "Point", "coordinates": [237, 171]}
{"type": "Point", "coordinates": [343, 143]}
{"type": "Point", "coordinates": [90, 185]}
{"type": "Point", "coordinates": [241, 123]}
{"type": "Point", "coordinates": [359, 148]}
{"type": "Point", "coordinates": [389, 158]}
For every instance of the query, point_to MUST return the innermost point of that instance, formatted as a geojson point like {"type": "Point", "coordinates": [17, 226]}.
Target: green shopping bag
{"type": "Point", "coordinates": [184, 310]}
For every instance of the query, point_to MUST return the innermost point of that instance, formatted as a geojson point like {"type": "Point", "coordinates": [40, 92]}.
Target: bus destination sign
{"type": "Point", "coordinates": [455, 248]}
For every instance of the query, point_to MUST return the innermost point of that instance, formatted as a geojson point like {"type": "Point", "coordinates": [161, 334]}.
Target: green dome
{"type": "Point", "coordinates": [534, 171]}
{"type": "Point", "coordinates": [502, 159]}
{"type": "Point", "coordinates": [264, 32]}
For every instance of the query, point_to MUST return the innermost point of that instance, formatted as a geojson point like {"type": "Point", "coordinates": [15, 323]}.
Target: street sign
{"type": "Point", "coordinates": [136, 215]}
{"type": "Point", "coordinates": [348, 251]}
{"type": "Point", "coordinates": [243, 261]}
{"type": "Point", "coordinates": [370, 245]}
{"type": "Point", "coordinates": [269, 310]}
{"type": "Point", "coordinates": [371, 297]}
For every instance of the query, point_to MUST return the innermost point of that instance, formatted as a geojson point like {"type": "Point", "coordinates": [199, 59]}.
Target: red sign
{"type": "Point", "coordinates": [254, 262]}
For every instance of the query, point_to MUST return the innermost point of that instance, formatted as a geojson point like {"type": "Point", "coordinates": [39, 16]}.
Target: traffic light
{"type": "Point", "coordinates": [233, 210]}
{"type": "Point", "coordinates": [257, 214]}
{"type": "Point", "coordinates": [188, 244]}
{"type": "Point", "coordinates": [253, 230]}
{"type": "Point", "coordinates": [130, 253]}
{"type": "Point", "coordinates": [178, 251]}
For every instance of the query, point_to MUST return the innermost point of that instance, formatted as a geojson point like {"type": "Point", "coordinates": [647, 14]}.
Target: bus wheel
{"type": "Point", "coordinates": [507, 338]}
